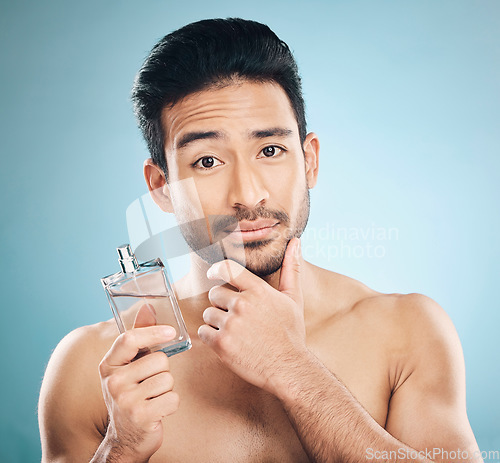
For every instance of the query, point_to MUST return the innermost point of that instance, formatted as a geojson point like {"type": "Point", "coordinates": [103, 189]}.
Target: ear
{"type": "Point", "coordinates": [311, 155]}
{"type": "Point", "coordinates": [157, 185]}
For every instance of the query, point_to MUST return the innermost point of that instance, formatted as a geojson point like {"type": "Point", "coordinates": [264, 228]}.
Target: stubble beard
{"type": "Point", "coordinates": [261, 257]}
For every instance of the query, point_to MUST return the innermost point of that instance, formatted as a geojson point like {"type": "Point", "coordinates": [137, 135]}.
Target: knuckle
{"type": "Point", "coordinates": [121, 342]}
{"type": "Point", "coordinates": [224, 343]}
{"type": "Point", "coordinates": [238, 305]}
{"type": "Point", "coordinates": [128, 338]}
{"type": "Point", "coordinates": [103, 368]}
{"type": "Point", "coordinates": [114, 385]}
{"type": "Point", "coordinates": [168, 381]}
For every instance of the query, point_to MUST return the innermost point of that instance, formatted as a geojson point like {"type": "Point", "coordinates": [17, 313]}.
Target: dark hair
{"type": "Point", "coordinates": [209, 53]}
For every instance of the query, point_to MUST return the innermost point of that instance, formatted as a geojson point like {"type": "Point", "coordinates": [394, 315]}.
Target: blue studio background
{"type": "Point", "coordinates": [403, 95]}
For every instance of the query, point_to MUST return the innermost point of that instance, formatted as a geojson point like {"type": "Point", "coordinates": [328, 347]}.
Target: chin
{"type": "Point", "coordinates": [261, 257]}
{"type": "Point", "coordinates": [264, 259]}
{"type": "Point", "coordinates": [264, 271]}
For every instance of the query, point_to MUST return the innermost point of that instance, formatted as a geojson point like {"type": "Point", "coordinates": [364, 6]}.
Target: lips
{"type": "Point", "coordinates": [254, 230]}
{"type": "Point", "coordinates": [254, 225]}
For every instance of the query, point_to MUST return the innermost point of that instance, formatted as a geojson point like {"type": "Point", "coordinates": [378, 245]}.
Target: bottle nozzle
{"type": "Point", "coordinates": [127, 259]}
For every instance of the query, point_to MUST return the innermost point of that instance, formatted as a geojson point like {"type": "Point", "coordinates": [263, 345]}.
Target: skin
{"type": "Point", "coordinates": [301, 365]}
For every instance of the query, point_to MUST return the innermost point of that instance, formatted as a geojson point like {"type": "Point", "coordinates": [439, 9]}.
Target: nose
{"type": "Point", "coordinates": [247, 188]}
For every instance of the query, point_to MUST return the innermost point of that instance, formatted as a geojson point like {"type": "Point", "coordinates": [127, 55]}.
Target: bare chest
{"type": "Point", "coordinates": [224, 419]}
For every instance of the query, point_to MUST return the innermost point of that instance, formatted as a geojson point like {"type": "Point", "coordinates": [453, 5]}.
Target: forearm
{"type": "Point", "coordinates": [331, 424]}
{"type": "Point", "coordinates": [111, 451]}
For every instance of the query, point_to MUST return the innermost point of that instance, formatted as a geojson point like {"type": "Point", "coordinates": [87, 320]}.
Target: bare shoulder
{"type": "Point", "coordinates": [398, 354]}
{"type": "Point", "coordinates": [413, 321]}
{"type": "Point", "coordinates": [77, 353]}
{"type": "Point", "coordinates": [75, 361]}
{"type": "Point", "coordinates": [416, 314]}
{"type": "Point", "coordinates": [71, 407]}
{"type": "Point", "coordinates": [407, 331]}
{"type": "Point", "coordinates": [99, 334]}
{"type": "Point", "coordinates": [412, 317]}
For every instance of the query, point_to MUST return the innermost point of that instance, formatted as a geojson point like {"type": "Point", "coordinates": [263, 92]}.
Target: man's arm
{"type": "Point", "coordinates": [69, 404]}
{"type": "Point", "coordinates": [426, 413]}
{"type": "Point", "coordinates": [259, 333]}
{"type": "Point", "coordinates": [85, 382]}
{"type": "Point", "coordinates": [429, 407]}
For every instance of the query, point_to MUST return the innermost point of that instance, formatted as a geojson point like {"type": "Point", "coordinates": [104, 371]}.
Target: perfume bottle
{"type": "Point", "coordinates": [141, 295]}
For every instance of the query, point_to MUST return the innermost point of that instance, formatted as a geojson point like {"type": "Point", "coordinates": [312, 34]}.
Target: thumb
{"type": "Point", "coordinates": [146, 316]}
{"type": "Point", "coordinates": [290, 283]}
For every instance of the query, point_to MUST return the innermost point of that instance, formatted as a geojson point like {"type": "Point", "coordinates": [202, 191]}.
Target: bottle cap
{"type": "Point", "coordinates": [127, 259]}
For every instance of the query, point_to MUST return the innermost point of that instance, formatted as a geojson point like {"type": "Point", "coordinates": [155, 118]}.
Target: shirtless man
{"type": "Point", "coordinates": [290, 362]}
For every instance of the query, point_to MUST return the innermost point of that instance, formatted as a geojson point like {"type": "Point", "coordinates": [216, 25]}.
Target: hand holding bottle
{"type": "Point", "coordinates": [137, 391]}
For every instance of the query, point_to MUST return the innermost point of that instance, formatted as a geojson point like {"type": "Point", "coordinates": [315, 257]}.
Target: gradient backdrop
{"type": "Point", "coordinates": [403, 95]}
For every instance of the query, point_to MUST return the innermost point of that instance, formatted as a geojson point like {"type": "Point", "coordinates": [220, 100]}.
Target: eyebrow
{"type": "Point", "coordinates": [193, 136]}
{"type": "Point", "coordinates": [190, 137]}
{"type": "Point", "coordinates": [273, 132]}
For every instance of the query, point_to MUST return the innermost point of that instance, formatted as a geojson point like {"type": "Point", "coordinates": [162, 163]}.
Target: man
{"type": "Point", "coordinates": [290, 362]}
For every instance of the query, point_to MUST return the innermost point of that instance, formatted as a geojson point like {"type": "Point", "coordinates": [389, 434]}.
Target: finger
{"type": "Point", "coordinates": [290, 282]}
{"type": "Point", "coordinates": [146, 367]}
{"type": "Point", "coordinates": [163, 405]}
{"type": "Point", "coordinates": [128, 344]}
{"type": "Point", "coordinates": [156, 385]}
{"type": "Point", "coordinates": [222, 297]}
{"type": "Point", "coordinates": [146, 316]}
{"type": "Point", "coordinates": [214, 317]}
{"type": "Point", "coordinates": [233, 273]}
{"type": "Point", "coordinates": [208, 334]}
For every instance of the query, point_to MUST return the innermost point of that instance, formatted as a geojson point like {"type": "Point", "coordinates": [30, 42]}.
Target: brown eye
{"type": "Point", "coordinates": [269, 151]}
{"type": "Point", "coordinates": [207, 162]}
{"type": "Point", "coordinates": [272, 151]}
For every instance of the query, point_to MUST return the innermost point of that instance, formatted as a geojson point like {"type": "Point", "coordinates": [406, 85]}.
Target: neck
{"type": "Point", "coordinates": [192, 292]}
{"type": "Point", "coordinates": [196, 284]}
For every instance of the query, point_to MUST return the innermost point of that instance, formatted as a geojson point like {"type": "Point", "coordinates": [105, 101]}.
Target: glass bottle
{"type": "Point", "coordinates": [141, 295]}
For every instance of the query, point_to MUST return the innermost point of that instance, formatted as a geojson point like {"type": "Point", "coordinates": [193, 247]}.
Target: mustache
{"type": "Point", "coordinates": [230, 222]}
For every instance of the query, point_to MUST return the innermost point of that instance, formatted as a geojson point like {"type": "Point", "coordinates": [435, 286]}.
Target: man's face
{"type": "Point", "coordinates": [237, 173]}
